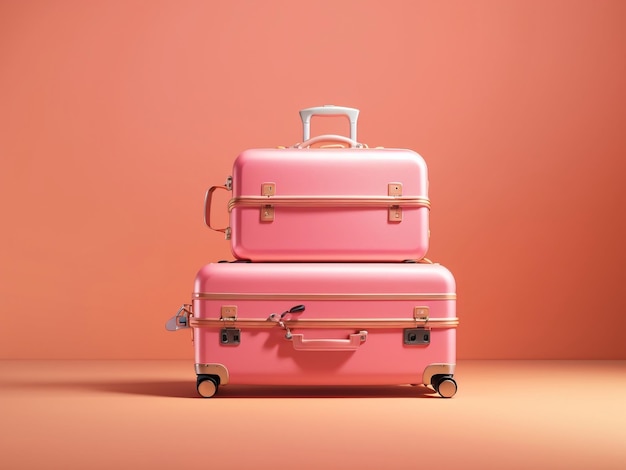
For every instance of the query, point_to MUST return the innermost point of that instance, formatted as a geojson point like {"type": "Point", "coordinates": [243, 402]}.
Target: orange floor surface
{"type": "Point", "coordinates": [147, 415]}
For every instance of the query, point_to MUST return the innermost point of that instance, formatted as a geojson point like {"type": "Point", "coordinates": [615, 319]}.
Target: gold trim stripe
{"type": "Point", "coordinates": [329, 201]}
{"type": "Point", "coordinates": [324, 296]}
{"type": "Point", "coordinates": [356, 323]}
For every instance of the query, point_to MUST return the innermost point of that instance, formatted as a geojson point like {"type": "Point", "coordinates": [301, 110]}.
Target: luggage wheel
{"type": "Point", "coordinates": [444, 385]}
{"type": "Point", "coordinates": [207, 385]}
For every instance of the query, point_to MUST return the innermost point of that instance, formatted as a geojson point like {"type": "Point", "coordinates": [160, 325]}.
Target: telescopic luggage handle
{"type": "Point", "coordinates": [328, 110]}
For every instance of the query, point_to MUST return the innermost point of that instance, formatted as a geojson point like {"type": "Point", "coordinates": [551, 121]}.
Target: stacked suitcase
{"type": "Point", "coordinates": [330, 285]}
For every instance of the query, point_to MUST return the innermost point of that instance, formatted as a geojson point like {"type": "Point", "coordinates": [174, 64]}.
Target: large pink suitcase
{"type": "Point", "coordinates": [327, 204]}
{"type": "Point", "coordinates": [322, 324]}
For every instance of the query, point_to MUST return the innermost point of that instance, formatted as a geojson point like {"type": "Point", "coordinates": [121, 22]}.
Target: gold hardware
{"type": "Point", "coordinates": [436, 369]}
{"type": "Point", "coordinates": [228, 314]}
{"type": "Point", "coordinates": [325, 323]}
{"type": "Point", "coordinates": [395, 214]}
{"type": "Point", "coordinates": [267, 213]}
{"type": "Point", "coordinates": [267, 210]}
{"type": "Point", "coordinates": [329, 201]}
{"type": "Point", "coordinates": [214, 369]}
{"type": "Point", "coordinates": [394, 189]}
{"type": "Point", "coordinates": [322, 296]}
{"type": "Point", "coordinates": [268, 189]}
{"type": "Point", "coordinates": [421, 313]}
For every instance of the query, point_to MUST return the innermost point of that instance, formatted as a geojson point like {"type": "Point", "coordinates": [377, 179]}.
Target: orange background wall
{"type": "Point", "coordinates": [116, 116]}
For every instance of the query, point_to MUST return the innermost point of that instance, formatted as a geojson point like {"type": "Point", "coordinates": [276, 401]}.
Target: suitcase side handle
{"type": "Point", "coordinates": [351, 344]}
{"type": "Point", "coordinates": [207, 209]}
{"type": "Point", "coordinates": [328, 110]}
{"type": "Point", "coordinates": [329, 138]}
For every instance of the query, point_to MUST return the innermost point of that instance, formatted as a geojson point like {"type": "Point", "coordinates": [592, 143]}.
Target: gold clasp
{"type": "Point", "coordinates": [395, 212]}
{"type": "Point", "coordinates": [267, 210]}
{"type": "Point", "coordinates": [228, 314]}
{"type": "Point", "coordinates": [421, 314]}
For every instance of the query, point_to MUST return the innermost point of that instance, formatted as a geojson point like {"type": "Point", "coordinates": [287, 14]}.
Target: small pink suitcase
{"type": "Point", "coordinates": [327, 204]}
{"type": "Point", "coordinates": [322, 324]}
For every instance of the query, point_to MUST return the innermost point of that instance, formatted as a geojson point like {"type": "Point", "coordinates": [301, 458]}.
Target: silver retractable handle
{"type": "Point", "coordinates": [328, 110]}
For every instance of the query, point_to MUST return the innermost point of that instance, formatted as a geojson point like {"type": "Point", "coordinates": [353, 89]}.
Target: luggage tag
{"type": "Point", "coordinates": [279, 318]}
{"type": "Point", "coordinates": [180, 320]}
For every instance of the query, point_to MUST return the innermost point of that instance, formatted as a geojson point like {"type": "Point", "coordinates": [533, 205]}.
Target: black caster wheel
{"type": "Point", "coordinates": [444, 385]}
{"type": "Point", "coordinates": [207, 385]}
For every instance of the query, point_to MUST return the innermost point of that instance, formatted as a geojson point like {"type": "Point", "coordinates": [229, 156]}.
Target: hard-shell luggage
{"type": "Point", "coordinates": [343, 202]}
{"type": "Point", "coordinates": [322, 324]}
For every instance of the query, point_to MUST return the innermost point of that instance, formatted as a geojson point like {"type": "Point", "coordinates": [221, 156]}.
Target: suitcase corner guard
{"type": "Point", "coordinates": [437, 369]}
{"type": "Point", "coordinates": [218, 370]}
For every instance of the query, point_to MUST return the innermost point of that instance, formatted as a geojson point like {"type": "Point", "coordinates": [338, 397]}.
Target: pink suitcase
{"type": "Point", "coordinates": [322, 324]}
{"type": "Point", "coordinates": [327, 204]}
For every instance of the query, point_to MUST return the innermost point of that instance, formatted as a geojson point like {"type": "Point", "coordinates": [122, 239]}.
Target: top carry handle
{"type": "Point", "coordinates": [338, 139]}
{"type": "Point", "coordinates": [328, 110]}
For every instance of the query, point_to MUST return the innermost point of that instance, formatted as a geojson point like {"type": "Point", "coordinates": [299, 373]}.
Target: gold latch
{"type": "Point", "coordinates": [230, 334]}
{"type": "Point", "coordinates": [228, 314]}
{"type": "Point", "coordinates": [420, 333]}
{"type": "Point", "coordinates": [395, 212]}
{"type": "Point", "coordinates": [394, 189]}
{"type": "Point", "coordinates": [267, 213]}
{"type": "Point", "coordinates": [268, 189]}
{"type": "Point", "coordinates": [421, 314]}
{"type": "Point", "coordinates": [267, 210]}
